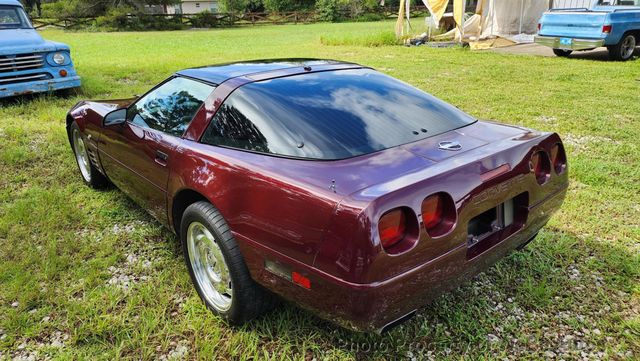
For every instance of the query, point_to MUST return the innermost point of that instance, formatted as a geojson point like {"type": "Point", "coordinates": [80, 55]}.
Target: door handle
{"type": "Point", "coordinates": [161, 158]}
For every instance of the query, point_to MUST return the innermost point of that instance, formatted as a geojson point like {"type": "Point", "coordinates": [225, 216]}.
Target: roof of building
{"type": "Point", "coordinates": [219, 73]}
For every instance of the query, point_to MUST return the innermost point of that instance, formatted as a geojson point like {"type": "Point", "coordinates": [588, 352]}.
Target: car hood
{"type": "Point", "coordinates": [19, 41]}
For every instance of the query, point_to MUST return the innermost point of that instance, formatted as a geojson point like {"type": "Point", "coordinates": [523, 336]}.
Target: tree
{"type": "Point", "coordinates": [29, 4]}
{"type": "Point", "coordinates": [70, 8]}
{"type": "Point", "coordinates": [234, 6]}
{"type": "Point", "coordinates": [287, 5]}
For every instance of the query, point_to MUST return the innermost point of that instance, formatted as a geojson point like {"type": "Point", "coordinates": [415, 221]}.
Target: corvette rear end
{"type": "Point", "coordinates": [392, 247]}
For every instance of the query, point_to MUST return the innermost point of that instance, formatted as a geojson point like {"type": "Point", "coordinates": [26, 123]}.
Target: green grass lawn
{"type": "Point", "coordinates": [89, 275]}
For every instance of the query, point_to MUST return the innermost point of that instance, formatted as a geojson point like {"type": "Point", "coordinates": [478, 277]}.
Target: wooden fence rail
{"type": "Point", "coordinates": [223, 19]}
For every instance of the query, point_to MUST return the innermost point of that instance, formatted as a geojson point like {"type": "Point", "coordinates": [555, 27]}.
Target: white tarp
{"type": "Point", "coordinates": [509, 17]}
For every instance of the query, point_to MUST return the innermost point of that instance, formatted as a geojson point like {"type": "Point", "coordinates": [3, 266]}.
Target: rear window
{"type": "Point", "coordinates": [329, 115]}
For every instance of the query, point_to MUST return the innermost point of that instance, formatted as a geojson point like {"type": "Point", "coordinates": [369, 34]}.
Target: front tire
{"type": "Point", "coordinates": [217, 268]}
{"type": "Point", "coordinates": [624, 50]}
{"type": "Point", "coordinates": [90, 174]}
{"type": "Point", "coordinates": [562, 53]}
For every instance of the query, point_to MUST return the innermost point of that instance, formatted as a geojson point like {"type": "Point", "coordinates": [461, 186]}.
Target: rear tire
{"type": "Point", "coordinates": [217, 268]}
{"type": "Point", "coordinates": [89, 173]}
{"type": "Point", "coordinates": [624, 50]}
{"type": "Point", "coordinates": [562, 53]}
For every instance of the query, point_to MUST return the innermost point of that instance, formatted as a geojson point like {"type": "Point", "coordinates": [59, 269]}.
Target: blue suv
{"type": "Point", "coordinates": [28, 63]}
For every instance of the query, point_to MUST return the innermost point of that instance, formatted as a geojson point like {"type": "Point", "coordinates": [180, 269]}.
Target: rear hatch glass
{"type": "Point", "coordinates": [330, 115]}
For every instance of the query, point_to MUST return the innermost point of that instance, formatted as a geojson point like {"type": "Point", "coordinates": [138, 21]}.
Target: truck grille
{"type": "Point", "coordinates": [23, 78]}
{"type": "Point", "coordinates": [13, 63]}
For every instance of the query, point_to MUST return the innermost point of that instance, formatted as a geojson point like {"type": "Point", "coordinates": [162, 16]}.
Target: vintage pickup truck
{"type": "Point", "coordinates": [611, 23]}
{"type": "Point", "coordinates": [28, 63]}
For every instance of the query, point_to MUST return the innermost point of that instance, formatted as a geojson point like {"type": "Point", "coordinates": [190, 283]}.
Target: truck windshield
{"type": "Point", "coordinates": [13, 17]}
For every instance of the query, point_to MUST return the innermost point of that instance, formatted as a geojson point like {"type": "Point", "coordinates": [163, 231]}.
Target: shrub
{"type": "Point", "coordinates": [128, 19]}
{"type": "Point", "coordinates": [205, 19]}
{"type": "Point", "coordinates": [275, 6]}
{"type": "Point", "coordinates": [255, 6]}
{"type": "Point", "coordinates": [328, 10]}
{"type": "Point", "coordinates": [234, 6]}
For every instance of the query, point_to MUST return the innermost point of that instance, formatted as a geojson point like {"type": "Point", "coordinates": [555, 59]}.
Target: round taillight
{"type": "Point", "coordinates": [398, 230]}
{"type": "Point", "coordinates": [438, 214]}
{"type": "Point", "coordinates": [392, 227]}
{"type": "Point", "coordinates": [558, 158]}
{"type": "Point", "coordinates": [540, 166]}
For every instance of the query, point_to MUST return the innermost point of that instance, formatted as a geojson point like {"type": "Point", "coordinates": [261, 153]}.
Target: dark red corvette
{"type": "Point", "coordinates": [332, 185]}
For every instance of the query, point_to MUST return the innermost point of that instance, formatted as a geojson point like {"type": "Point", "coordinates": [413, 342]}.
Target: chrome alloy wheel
{"type": "Point", "coordinates": [209, 267]}
{"type": "Point", "coordinates": [81, 155]}
{"type": "Point", "coordinates": [628, 47]}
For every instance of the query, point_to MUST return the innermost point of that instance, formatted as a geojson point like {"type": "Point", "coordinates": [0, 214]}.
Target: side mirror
{"type": "Point", "coordinates": [118, 116]}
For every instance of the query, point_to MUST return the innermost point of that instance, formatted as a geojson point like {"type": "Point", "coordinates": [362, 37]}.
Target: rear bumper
{"type": "Point", "coordinates": [40, 86]}
{"type": "Point", "coordinates": [576, 44]}
{"type": "Point", "coordinates": [376, 306]}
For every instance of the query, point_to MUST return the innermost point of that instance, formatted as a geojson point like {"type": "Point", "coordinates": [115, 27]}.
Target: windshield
{"type": "Point", "coordinates": [619, 2]}
{"type": "Point", "coordinates": [330, 115]}
{"type": "Point", "coordinates": [13, 17]}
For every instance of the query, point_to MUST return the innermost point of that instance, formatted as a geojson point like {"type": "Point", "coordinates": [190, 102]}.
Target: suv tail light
{"type": "Point", "coordinates": [438, 214]}
{"type": "Point", "coordinates": [558, 158]}
{"type": "Point", "coordinates": [392, 227]}
{"type": "Point", "coordinates": [539, 26]}
{"type": "Point", "coordinates": [607, 29]}
{"type": "Point", "coordinates": [540, 166]}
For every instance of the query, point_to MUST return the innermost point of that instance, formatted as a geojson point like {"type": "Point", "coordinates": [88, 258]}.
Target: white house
{"type": "Point", "coordinates": [193, 7]}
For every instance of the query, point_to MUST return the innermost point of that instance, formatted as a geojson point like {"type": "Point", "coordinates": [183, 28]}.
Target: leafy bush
{"type": "Point", "coordinates": [205, 19]}
{"type": "Point", "coordinates": [328, 10]}
{"type": "Point", "coordinates": [276, 6]}
{"type": "Point", "coordinates": [234, 6]}
{"type": "Point", "coordinates": [255, 6]}
{"type": "Point", "coordinates": [335, 10]}
{"type": "Point", "coordinates": [57, 9]}
{"type": "Point", "coordinates": [128, 19]}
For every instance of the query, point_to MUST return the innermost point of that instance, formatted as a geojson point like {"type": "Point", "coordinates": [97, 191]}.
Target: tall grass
{"type": "Point", "coordinates": [379, 38]}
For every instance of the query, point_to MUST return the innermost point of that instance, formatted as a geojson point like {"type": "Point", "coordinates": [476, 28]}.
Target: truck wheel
{"type": "Point", "coordinates": [90, 174]}
{"type": "Point", "coordinates": [562, 53]}
{"type": "Point", "coordinates": [624, 49]}
{"type": "Point", "coordinates": [217, 268]}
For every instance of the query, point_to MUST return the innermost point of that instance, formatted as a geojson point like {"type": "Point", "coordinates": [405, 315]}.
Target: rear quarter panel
{"type": "Point", "coordinates": [623, 22]}
{"type": "Point", "coordinates": [263, 204]}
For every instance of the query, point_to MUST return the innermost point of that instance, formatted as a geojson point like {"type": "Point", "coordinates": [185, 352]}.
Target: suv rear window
{"type": "Point", "coordinates": [329, 115]}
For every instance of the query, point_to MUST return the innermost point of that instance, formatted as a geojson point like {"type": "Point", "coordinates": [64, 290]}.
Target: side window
{"type": "Point", "coordinates": [170, 107]}
{"type": "Point", "coordinates": [230, 127]}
